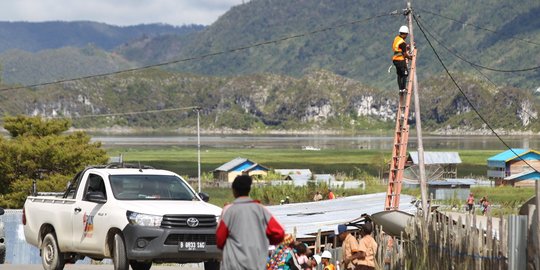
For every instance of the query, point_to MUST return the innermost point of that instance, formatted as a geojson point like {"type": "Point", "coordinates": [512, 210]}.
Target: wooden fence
{"type": "Point", "coordinates": [444, 243]}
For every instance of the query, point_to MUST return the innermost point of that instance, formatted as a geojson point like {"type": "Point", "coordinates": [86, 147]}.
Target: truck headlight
{"type": "Point", "coordinates": [144, 219]}
{"type": "Point", "coordinates": [217, 219]}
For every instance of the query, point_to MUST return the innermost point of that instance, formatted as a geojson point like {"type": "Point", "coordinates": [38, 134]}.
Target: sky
{"type": "Point", "coordinates": [117, 12]}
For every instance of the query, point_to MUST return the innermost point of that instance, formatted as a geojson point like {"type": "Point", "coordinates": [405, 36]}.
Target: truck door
{"type": "Point", "coordinates": [89, 218]}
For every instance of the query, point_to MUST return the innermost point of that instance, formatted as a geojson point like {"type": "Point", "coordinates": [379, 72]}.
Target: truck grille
{"type": "Point", "coordinates": [174, 239]}
{"type": "Point", "coordinates": [181, 221]}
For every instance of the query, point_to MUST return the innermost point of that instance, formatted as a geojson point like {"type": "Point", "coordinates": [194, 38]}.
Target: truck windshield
{"type": "Point", "coordinates": [150, 187]}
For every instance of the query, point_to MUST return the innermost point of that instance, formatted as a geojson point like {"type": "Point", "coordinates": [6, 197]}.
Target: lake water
{"type": "Point", "coordinates": [323, 141]}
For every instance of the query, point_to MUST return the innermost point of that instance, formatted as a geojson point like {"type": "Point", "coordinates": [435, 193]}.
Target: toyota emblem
{"type": "Point", "coordinates": [192, 222]}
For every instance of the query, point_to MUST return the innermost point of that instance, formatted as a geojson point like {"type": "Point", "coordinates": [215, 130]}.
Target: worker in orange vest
{"type": "Point", "coordinates": [331, 195]}
{"type": "Point", "coordinates": [326, 257]}
{"type": "Point", "coordinates": [401, 54]}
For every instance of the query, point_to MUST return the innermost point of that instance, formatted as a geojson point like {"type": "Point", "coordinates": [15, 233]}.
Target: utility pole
{"type": "Point", "coordinates": [421, 165]}
{"type": "Point", "coordinates": [198, 110]}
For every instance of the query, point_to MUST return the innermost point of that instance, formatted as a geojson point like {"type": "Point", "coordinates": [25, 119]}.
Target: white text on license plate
{"type": "Point", "coordinates": [191, 245]}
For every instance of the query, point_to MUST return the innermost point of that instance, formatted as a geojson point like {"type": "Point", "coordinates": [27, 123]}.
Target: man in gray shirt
{"type": "Point", "coordinates": [246, 230]}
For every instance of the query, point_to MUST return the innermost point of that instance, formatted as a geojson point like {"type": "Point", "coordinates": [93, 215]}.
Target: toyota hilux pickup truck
{"type": "Point", "coordinates": [135, 215]}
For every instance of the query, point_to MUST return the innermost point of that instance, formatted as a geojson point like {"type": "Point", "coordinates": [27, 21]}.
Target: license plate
{"type": "Point", "coordinates": [191, 245]}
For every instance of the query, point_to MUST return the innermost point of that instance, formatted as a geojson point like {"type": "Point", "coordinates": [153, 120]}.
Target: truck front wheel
{"type": "Point", "coordinates": [51, 257]}
{"type": "Point", "coordinates": [135, 265]}
{"type": "Point", "coordinates": [211, 265]}
{"type": "Point", "coordinates": [119, 256]}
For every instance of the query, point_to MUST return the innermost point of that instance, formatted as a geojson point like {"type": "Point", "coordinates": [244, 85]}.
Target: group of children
{"type": "Point", "coordinates": [295, 255]}
{"type": "Point", "coordinates": [484, 203]}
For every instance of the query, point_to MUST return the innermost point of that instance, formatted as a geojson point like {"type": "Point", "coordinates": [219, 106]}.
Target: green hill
{"type": "Point", "coordinates": [359, 48]}
{"type": "Point", "coordinates": [318, 101]}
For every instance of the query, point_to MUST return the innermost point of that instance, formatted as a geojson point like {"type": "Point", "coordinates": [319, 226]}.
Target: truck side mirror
{"type": "Point", "coordinates": [205, 197]}
{"type": "Point", "coordinates": [96, 197]}
{"type": "Point", "coordinates": [1, 211]}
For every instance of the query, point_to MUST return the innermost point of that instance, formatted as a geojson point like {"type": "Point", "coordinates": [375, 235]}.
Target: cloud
{"type": "Point", "coordinates": [117, 12]}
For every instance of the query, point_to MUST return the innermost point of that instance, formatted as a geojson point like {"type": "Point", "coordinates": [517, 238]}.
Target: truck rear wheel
{"type": "Point", "coordinates": [51, 257]}
{"type": "Point", "coordinates": [119, 256]}
{"type": "Point", "coordinates": [135, 265]}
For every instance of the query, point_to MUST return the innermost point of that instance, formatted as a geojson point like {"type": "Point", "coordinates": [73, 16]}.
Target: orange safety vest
{"type": "Point", "coordinates": [398, 53]}
{"type": "Point", "coordinates": [330, 267]}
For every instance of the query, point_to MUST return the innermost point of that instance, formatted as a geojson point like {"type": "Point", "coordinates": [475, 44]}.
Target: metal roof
{"type": "Point", "coordinates": [298, 177]}
{"type": "Point", "coordinates": [229, 166]}
{"type": "Point", "coordinates": [526, 175]}
{"type": "Point", "coordinates": [323, 177]}
{"type": "Point", "coordinates": [325, 215]}
{"type": "Point", "coordinates": [452, 182]}
{"type": "Point", "coordinates": [437, 157]}
{"type": "Point", "coordinates": [293, 171]}
{"type": "Point", "coordinates": [508, 154]}
{"type": "Point", "coordinates": [232, 164]}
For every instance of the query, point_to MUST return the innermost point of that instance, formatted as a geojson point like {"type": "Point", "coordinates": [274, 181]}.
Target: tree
{"type": "Point", "coordinates": [42, 150]}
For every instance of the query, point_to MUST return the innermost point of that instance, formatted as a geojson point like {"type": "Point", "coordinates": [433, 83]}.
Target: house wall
{"type": "Point", "coordinates": [525, 183]}
{"type": "Point", "coordinates": [447, 193]}
{"type": "Point", "coordinates": [233, 174]}
{"type": "Point", "coordinates": [519, 166]}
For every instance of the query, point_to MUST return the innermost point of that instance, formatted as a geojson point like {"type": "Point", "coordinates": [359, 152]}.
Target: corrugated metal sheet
{"type": "Point", "coordinates": [527, 175]}
{"type": "Point", "coordinates": [507, 155]}
{"type": "Point", "coordinates": [324, 177]}
{"type": "Point", "coordinates": [437, 157]}
{"type": "Point", "coordinates": [452, 182]}
{"type": "Point", "coordinates": [286, 172]}
{"type": "Point", "coordinates": [17, 250]}
{"type": "Point", "coordinates": [517, 242]}
{"type": "Point", "coordinates": [325, 215]}
{"type": "Point", "coordinates": [231, 164]}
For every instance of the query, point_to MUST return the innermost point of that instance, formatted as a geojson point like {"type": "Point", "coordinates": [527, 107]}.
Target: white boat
{"type": "Point", "coordinates": [311, 148]}
{"type": "Point", "coordinates": [393, 222]}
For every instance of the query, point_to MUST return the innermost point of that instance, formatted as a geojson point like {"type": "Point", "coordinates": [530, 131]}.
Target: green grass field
{"type": "Point", "coordinates": [183, 160]}
{"type": "Point", "coordinates": [357, 164]}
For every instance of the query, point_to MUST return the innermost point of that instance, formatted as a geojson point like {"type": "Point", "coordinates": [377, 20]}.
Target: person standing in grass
{"type": "Point", "coordinates": [470, 203]}
{"type": "Point", "coordinates": [317, 197]}
{"type": "Point", "coordinates": [331, 195]}
{"type": "Point", "coordinates": [246, 230]}
{"type": "Point", "coordinates": [485, 204]}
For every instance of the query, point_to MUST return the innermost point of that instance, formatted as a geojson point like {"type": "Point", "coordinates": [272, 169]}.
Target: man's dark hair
{"type": "Point", "coordinates": [367, 228]}
{"type": "Point", "coordinates": [242, 185]}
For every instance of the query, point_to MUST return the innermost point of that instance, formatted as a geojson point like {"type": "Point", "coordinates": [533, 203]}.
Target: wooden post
{"type": "Point", "coordinates": [537, 238]}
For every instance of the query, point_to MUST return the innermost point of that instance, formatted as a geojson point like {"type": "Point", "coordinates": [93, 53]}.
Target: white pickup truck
{"type": "Point", "coordinates": [136, 216]}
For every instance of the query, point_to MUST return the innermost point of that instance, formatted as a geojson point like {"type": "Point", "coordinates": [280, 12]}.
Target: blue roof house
{"type": "Point", "coordinates": [238, 166]}
{"type": "Point", "coordinates": [516, 167]}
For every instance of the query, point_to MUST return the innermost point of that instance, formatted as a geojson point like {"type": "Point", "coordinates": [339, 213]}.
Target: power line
{"type": "Point", "coordinates": [467, 98]}
{"type": "Point", "coordinates": [195, 58]}
{"type": "Point", "coordinates": [464, 59]}
{"type": "Point", "coordinates": [134, 113]}
{"type": "Point", "coordinates": [475, 26]}
{"type": "Point", "coordinates": [475, 67]}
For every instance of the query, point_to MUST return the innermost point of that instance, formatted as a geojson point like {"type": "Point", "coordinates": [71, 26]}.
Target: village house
{"type": "Point", "coordinates": [515, 167]}
{"type": "Point", "coordinates": [447, 161]}
{"type": "Point", "coordinates": [238, 166]}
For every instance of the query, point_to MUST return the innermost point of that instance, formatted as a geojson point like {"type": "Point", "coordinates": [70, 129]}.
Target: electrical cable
{"type": "Point", "coordinates": [479, 27]}
{"type": "Point", "coordinates": [133, 113]}
{"type": "Point", "coordinates": [451, 51]}
{"type": "Point", "coordinates": [196, 58]}
{"type": "Point", "coordinates": [478, 65]}
{"type": "Point", "coordinates": [467, 98]}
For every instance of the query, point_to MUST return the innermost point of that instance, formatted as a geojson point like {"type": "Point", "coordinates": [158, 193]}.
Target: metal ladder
{"type": "Point", "coordinates": [401, 139]}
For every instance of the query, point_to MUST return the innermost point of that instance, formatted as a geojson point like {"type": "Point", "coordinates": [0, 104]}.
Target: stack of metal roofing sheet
{"type": "Point", "coordinates": [325, 215]}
